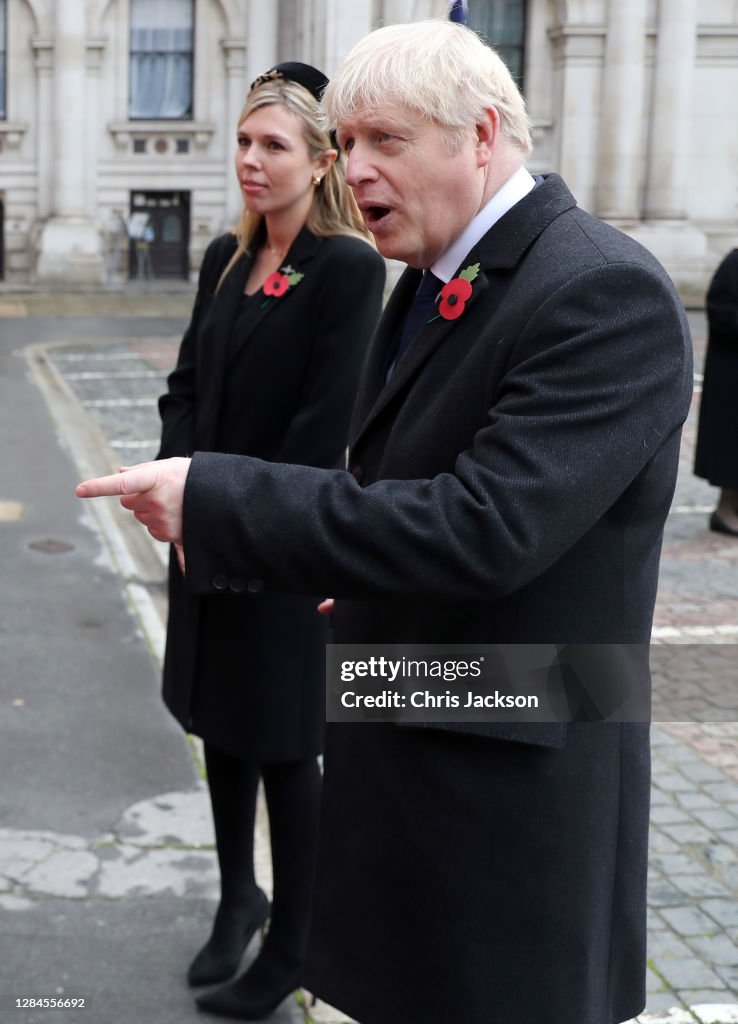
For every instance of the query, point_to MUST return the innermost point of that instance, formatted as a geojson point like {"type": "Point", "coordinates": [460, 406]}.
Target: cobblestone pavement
{"type": "Point", "coordinates": [693, 893]}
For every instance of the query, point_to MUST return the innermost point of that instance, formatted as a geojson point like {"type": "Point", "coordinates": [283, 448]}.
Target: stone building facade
{"type": "Point", "coordinates": [117, 119]}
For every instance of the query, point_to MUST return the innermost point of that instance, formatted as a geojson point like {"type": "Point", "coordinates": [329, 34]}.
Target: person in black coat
{"type": "Point", "coordinates": [268, 367]}
{"type": "Point", "coordinates": [513, 454]}
{"type": "Point", "coordinates": [716, 455]}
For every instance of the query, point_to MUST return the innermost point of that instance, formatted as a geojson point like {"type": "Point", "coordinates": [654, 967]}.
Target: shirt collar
{"type": "Point", "coordinates": [515, 188]}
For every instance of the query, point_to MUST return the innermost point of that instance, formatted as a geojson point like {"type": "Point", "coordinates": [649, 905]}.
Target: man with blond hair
{"type": "Point", "coordinates": [512, 460]}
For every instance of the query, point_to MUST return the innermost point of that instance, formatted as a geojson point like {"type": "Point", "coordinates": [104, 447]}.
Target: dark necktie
{"type": "Point", "coordinates": [419, 312]}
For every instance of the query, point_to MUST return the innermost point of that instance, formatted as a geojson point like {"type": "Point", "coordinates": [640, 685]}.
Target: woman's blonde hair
{"type": "Point", "coordinates": [334, 210]}
{"type": "Point", "coordinates": [440, 69]}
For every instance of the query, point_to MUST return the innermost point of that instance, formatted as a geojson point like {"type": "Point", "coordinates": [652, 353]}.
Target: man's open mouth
{"type": "Point", "coordinates": [374, 214]}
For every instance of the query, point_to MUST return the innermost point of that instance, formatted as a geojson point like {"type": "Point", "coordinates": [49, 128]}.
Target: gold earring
{"type": "Point", "coordinates": [317, 180]}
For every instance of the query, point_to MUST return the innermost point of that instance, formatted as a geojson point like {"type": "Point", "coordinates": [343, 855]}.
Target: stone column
{"type": "Point", "coordinates": [676, 43]}
{"type": "Point", "coordinates": [345, 25]}
{"type": "Point", "coordinates": [620, 155]}
{"type": "Point", "coordinates": [236, 90]}
{"type": "Point", "coordinates": [70, 244]}
{"type": "Point", "coordinates": [43, 55]}
{"type": "Point", "coordinates": [95, 50]}
{"type": "Point", "coordinates": [262, 39]}
{"type": "Point", "coordinates": [578, 61]}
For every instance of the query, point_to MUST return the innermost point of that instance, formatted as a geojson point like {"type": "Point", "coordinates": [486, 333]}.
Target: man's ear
{"type": "Point", "coordinates": [486, 130]}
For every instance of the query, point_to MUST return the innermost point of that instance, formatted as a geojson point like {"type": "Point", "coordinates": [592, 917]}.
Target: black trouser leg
{"type": "Point", "coordinates": [243, 906]}
{"type": "Point", "coordinates": [293, 801]}
{"type": "Point", "coordinates": [233, 785]}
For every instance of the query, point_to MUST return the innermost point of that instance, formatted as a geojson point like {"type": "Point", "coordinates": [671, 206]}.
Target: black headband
{"type": "Point", "coordinates": [303, 74]}
{"type": "Point", "coordinates": [292, 70]}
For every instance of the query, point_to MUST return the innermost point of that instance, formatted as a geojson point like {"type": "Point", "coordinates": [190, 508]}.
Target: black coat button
{"type": "Point", "coordinates": [255, 586]}
{"type": "Point", "coordinates": [238, 585]}
{"type": "Point", "coordinates": [220, 581]}
{"type": "Point", "coordinates": [357, 473]}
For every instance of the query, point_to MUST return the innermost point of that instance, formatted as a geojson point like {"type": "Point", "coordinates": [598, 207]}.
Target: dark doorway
{"type": "Point", "coordinates": [159, 232]}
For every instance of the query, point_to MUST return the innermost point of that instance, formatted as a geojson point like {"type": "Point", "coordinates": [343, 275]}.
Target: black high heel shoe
{"type": "Point", "coordinates": [718, 525]}
{"type": "Point", "coordinates": [219, 958]}
{"type": "Point", "coordinates": [258, 992]}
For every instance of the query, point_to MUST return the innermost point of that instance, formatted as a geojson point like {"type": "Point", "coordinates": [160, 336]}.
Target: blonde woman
{"type": "Point", "coordinates": [268, 367]}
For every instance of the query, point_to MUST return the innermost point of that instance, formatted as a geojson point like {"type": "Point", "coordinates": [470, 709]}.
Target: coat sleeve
{"type": "Point", "coordinates": [349, 309]}
{"type": "Point", "coordinates": [177, 405]}
{"type": "Point", "coordinates": [599, 382]}
{"type": "Point", "coordinates": [722, 298]}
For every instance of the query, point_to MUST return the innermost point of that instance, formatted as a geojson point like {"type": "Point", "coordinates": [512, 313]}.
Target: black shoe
{"type": "Point", "coordinates": [718, 525]}
{"type": "Point", "coordinates": [219, 958]}
{"type": "Point", "coordinates": [258, 992]}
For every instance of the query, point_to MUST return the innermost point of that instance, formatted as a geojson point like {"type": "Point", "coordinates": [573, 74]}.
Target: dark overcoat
{"type": "Point", "coordinates": [244, 669]}
{"type": "Point", "coordinates": [508, 485]}
{"type": "Point", "coordinates": [716, 453]}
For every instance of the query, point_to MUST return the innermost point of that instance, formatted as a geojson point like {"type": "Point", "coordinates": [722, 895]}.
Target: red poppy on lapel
{"type": "Point", "coordinates": [276, 284]}
{"type": "Point", "coordinates": [279, 282]}
{"type": "Point", "coordinates": [453, 298]}
{"type": "Point", "coordinates": [456, 294]}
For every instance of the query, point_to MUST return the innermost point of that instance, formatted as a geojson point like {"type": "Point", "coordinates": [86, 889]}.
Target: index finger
{"type": "Point", "coordinates": [132, 481]}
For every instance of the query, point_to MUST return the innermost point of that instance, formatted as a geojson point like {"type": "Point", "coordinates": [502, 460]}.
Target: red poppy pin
{"type": "Point", "coordinates": [280, 282]}
{"type": "Point", "coordinates": [456, 294]}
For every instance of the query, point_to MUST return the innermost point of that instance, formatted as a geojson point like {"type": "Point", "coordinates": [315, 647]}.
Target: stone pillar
{"type": "Point", "coordinates": [70, 244]}
{"type": "Point", "coordinates": [95, 50]}
{"type": "Point", "coordinates": [578, 62]}
{"type": "Point", "coordinates": [395, 12]}
{"type": "Point", "coordinates": [666, 230]}
{"type": "Point", "coordinates": [620, 153]}
{"type": "Point", "coordinates": [262, 39]}
{"type": "Point", "coordinates": [345, 25]}
{"type": "Point", "coordinates": [676, 43]}
{"type": "Point", "coordinates": [43, 55]}
{"type": "Point", "coordinates": [236, 90]}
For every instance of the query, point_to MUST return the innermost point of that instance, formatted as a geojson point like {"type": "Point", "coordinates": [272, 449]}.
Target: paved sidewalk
{"type": "Point", "coordinates": [103, 392]}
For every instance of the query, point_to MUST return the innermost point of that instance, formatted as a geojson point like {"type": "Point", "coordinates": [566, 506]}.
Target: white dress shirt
{"type": "Point", "coordinates": [515, 188]}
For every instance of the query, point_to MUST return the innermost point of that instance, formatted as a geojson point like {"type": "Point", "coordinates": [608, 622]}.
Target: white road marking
{"type": "Point", "coordinates": [114, 403]}
{"type": "Point", "coordinates": [115, 375]}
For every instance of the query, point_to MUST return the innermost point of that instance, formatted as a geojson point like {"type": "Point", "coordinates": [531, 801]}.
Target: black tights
{"type": "Point", "coordinates": [292, 791]}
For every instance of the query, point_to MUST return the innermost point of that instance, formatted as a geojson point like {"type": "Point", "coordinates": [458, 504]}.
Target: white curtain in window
{"type": "Point", "coordinates": [2, 60]}
{"type": "Point", "coordinates": [161, 58]}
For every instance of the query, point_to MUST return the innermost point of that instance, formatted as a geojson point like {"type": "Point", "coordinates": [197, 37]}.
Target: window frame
{"type": "Point", "coordinates": [148, 115]}
{"type": "Point", "coordinates": [479, 21]}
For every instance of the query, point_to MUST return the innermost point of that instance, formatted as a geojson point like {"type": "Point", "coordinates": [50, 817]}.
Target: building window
{"type": "Point", "coordinates": [502, 23]}
{"type": "Point", "coordinates": [161, 59]}
{"type": "Point", "coordinates": [3, 51]}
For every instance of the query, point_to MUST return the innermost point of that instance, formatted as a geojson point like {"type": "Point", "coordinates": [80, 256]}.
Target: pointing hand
{"type": "Point", "coordinates": [153, 491]}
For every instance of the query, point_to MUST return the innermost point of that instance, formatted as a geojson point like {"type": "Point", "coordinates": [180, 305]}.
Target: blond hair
{"type": "Point", "coordinates": [440, 69]}
{"type": "Point", "coordinates": [334, 210]}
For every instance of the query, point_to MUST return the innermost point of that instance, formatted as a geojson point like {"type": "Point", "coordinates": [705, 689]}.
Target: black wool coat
{"type": "Point", "coordinates": [508, 485]}
{"type": "Point", "coordinates": [716, 453]}
{"type": "Point", "coordinates": [244, 668]}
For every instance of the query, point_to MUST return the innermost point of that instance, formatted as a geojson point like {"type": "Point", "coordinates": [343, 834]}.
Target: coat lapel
{"type": "Point", "coordinates": [372, 380]}
{"type": "Point", "coordinates": [501, 249]}
{"type": "Point", "coordinates": [217, 340]}
{"type": "Point", "coordinates": [213, 352]}
{"type": "Point", "coordinates": [301, 252]}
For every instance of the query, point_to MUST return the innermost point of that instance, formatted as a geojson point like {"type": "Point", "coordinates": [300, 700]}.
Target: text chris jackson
{"type": "Point", "coordinates": [425, 699]}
